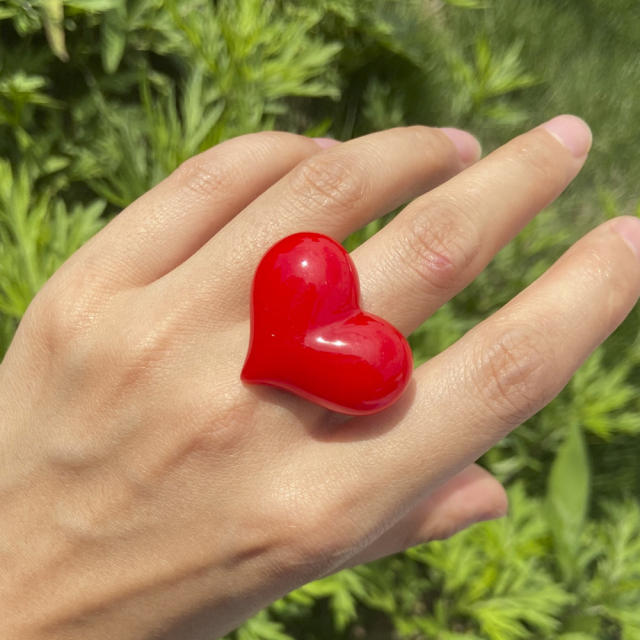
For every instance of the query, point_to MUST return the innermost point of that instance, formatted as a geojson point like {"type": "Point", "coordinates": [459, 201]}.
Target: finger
{"type": "Point", "coordinates": [169, 223]}
{"type": "Point", "coordinates": [443, 240]}
{"type": "Point", "coordinates": [496, 376]}
{"type": "Point", "coordinates": [471, 496]}
{"type": "Point", "coordinates": [333, 192]}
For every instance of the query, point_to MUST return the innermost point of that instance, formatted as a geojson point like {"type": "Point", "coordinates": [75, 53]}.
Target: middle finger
{"type": "Point", "coordinates": [441, 241]}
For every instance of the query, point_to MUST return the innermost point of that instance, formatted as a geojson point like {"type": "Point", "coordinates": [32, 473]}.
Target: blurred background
{"type": "Point", "coordinates": [100, 99]}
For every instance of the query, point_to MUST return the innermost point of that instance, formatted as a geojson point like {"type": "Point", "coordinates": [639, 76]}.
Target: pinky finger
{"type": "Point", "coordinates": [471, 496]}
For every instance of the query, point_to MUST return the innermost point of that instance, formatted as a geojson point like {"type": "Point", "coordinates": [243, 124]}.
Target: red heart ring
{"type": "Point", "coordinates": [309, 335]}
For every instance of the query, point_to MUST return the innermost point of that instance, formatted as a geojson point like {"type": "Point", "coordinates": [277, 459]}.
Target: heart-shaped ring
{"type": "Point", "coordinates": [310, 336]}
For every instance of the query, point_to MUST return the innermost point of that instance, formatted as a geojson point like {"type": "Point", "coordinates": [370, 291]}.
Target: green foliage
{"type": "Point", "coordinates": [101, 99]}
{"type": "Point", "coordinates": [262, 627]}
{"type": "Point", "coordinates": [37, 232]}
{"type": "Point", "coordinates": [142, 148]}
{"type": "Point", "coordinates": [607, 405]}
{"type": "Point", "coordinates": [568, 498]}
{"type": "Point", "coordinates": [489, 76]}
{"type": "Point", "coordinates": [493, 579]}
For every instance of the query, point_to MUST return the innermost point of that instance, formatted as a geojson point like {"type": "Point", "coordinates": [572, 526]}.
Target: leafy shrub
{"type": "Point", "coordinates": [100, 99]}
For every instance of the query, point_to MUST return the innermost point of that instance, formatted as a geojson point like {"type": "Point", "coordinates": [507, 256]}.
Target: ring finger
{"type": "Point", "coordinates": [496, 376]}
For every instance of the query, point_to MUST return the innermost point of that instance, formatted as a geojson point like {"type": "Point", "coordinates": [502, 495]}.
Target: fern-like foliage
{"type": "Point", "coordinates": [37, 233]}
{"type": "Point", "coordinates": [101, 99]}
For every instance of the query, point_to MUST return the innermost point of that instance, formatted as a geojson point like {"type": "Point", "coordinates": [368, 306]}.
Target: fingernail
{"type": "Point", "coordinates": [468, 147]}
{"type": "Point", "coordinates": [572, 132]}
{"type": "Point", "coordinates": [325, 143]}
{"type": "Point", "coordinates": [629, 228]}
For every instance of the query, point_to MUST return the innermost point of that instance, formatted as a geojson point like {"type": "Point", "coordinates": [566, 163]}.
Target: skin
{"type": "Point", "coordinates": [145, 492]}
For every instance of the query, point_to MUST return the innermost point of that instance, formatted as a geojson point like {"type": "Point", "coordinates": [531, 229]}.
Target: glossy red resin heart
{"type": "Point", "coordinates": [309, 335]}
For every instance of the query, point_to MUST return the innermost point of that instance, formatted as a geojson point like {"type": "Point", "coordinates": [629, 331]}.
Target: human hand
{"type": "Point", "coordinates": [147, 493]}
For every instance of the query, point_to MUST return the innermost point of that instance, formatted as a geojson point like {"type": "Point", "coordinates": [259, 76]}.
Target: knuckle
{"type": "Point", "coordinates": [440, 245]}
{"type": "Point", "coordinates": [511, 375]}
{"type": "Point", "coordinates": [220, 168]}
{"type": "Point", "coordinates": [205, 173]}
{"type": "Point", "coordinates": [60, 317]}
{"type": "Point", "coordinates": [329, 180]}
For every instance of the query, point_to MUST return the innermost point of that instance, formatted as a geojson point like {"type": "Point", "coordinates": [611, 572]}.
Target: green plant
{"type": "Point", "coordinates": [100, 99]}
{"type": "Point", "coordinates": [37, 232]}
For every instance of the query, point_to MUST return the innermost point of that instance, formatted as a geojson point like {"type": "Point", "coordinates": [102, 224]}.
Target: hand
{"type": "Point", "coordinates": [145, 492]}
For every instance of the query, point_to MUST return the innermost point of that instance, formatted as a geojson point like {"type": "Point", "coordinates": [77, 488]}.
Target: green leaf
{"type": "Point", "coordinates": [261, 627]}
{"type": "Point", "coordinates": [54, 163]}
{"type": "Point", "coordinates": [53, 18]}
{"type": "Point", "coordinates": [114, 40]}
{"type": "Point", "coordinates": [568, 496]}
{"type": "Point", "coordinates": [319, 129]}
{"type": "Point", "coordinates": [467, 4]}
{"type": "Point", "coordinates": [92, 6]}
